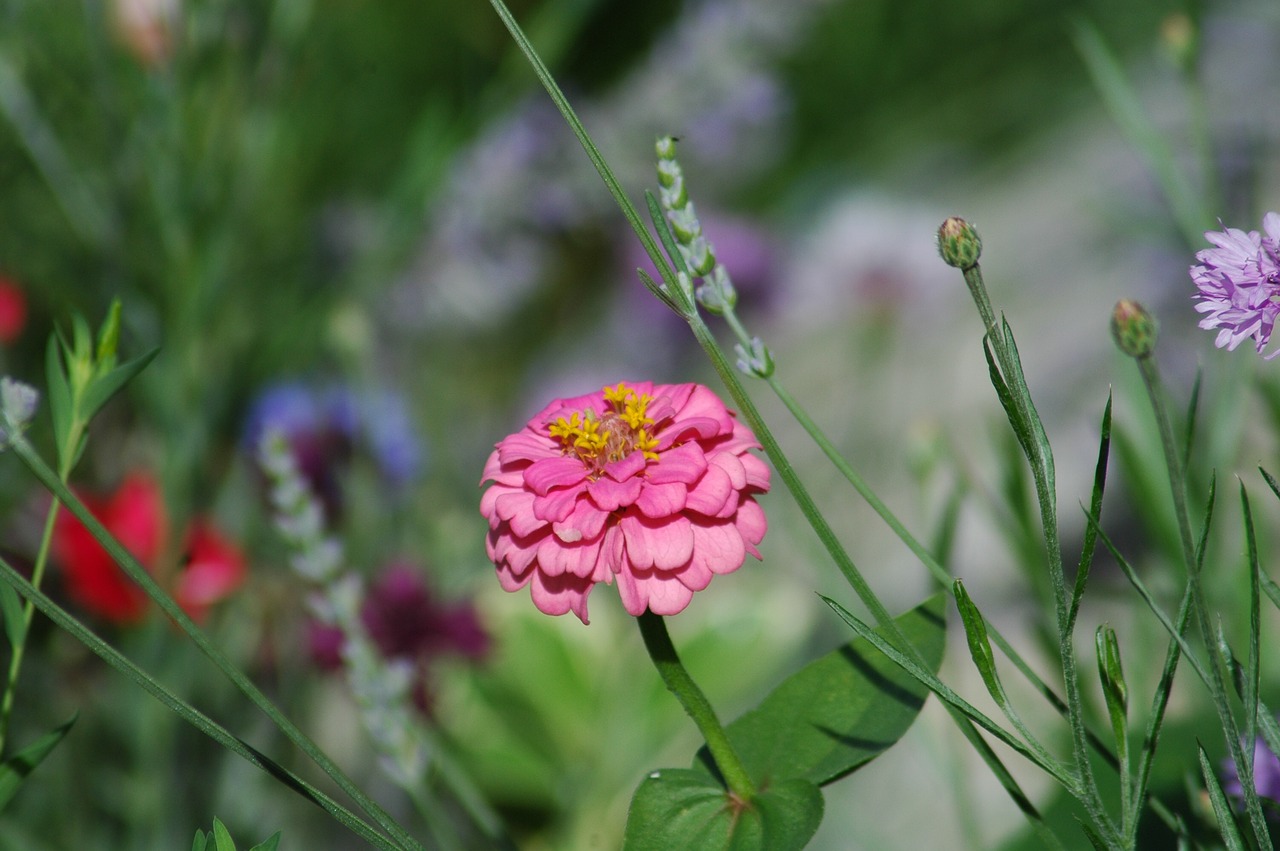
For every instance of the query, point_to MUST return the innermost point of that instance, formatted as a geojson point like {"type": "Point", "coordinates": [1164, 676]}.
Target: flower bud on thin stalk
{"type": "Point", "coordinates": [1134, 329]}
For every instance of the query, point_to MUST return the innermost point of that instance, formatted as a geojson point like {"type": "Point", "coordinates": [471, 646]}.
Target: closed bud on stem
{"type": "Point", "coordinates": [1134, 329]}
{"type": "Point", "coordinates": [959, 244]}
{"type": "Point", "coordinates": [109, 338]}
{"type": "Point", "coordinates": [1114, 689]}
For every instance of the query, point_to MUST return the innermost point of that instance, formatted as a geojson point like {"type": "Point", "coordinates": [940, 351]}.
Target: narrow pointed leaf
{"type": "Point", "coordinates": [1095, 510]}
{"type": "Point", "coordinates": [1006, 400]}
{"type": "Point", "coordinates": [15, 769]}
{"type": "Point", "coordinates": [103, 388]}
{"type": "Point", "coordinates": [1253, 670]}
{"type": "Point", "coordinates": [1193, 409]}
{"type": "Point", "coordinates": [272, 843]}
{"type": "Point", "coordinates": [975, 630]}
{"type": "Point", "coordinates": [1226, 818]}
{"type": "Point", "coordinates": [59, 395]}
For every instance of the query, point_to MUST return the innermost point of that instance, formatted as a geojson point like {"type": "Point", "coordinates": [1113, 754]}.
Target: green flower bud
{"type": "Point", "coordinates": [1134, 329]}
{"type": "Point", "coordinates": [109, 338]}
{"type": "Point", "coordinates": [959, 244]}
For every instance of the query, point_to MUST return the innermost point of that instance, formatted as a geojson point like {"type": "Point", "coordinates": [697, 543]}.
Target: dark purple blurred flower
{"type": "Point", "coordinates": [406, 621]}
{"type": "Point", "coordinates": [326, 425]}
{"type": "Point", "coordinates": [1266, 774]}
{"type": "Point", "coordinates": [1238, 283]}
{"type": "Point", "coordinates": [325, 641]}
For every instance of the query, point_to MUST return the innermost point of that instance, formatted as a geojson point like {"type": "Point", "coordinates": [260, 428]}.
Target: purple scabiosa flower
{"type": "Point", "coordinates": [1266, 774]}
{"type": "Point", "coordinates": [1238, 283]}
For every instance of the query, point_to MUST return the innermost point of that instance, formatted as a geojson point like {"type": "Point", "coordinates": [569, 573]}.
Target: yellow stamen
{"type": "Point", "coordinates": [597, 439]}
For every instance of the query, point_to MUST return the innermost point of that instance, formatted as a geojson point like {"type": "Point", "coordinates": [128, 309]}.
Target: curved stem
{"type": "Point", "coordinates": [673, 672]}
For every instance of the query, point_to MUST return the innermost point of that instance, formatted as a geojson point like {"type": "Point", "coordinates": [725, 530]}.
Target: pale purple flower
{"type": "Point", "coordinates": [1239, 284]}
{"type": "Point", "coordinates": [1266, 774]}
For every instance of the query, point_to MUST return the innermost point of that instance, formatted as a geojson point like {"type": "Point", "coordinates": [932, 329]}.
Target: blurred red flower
{"type": "Point", "coordinates": [212, 568]}
{"type": "Point", "coordinates": [13, 311]}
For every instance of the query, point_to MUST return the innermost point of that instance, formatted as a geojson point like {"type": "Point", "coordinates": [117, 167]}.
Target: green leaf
{"type": "Point", "coordinates": [1095, 510]}
{"type": "Point", "coordinates": [59, 395]}
{"type": "Point", "coordinates": [103, 388]}
{"type": "Point", "coordinates": [222, 837]}
{"type": "Point", "coordinates": [1226, 818]}
{"type": "Point", "coordinates": [15, 769]}
{"type": "Point", "coordinates": [679, 808]}
{"type": "Point", "coordinates": [840, 711]}
{"type": "Point", "coordinates": [270, 844]}
{"type": "Point", "coordinates": [198, 844]}
{"type": "Point", "coordinates": [975, 630]}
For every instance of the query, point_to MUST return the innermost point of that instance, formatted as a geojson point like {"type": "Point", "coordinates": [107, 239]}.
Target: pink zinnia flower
{"type": "Point", "coordinates": [651, 484]}
{"type": "Point", "coordinates": [1239, 284]}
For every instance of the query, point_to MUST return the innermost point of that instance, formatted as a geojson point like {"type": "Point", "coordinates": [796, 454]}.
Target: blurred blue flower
{"type": "Point", "coordinates": [326, 425]}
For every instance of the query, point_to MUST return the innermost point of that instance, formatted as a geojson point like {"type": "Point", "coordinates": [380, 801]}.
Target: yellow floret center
{"type": "Point", "coordinates": [623, 428]}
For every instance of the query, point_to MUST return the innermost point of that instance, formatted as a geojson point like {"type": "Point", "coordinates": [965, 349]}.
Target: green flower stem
{"type": "Point", "coordinates": [67, 460]}
{"type": "Point", "coordinates": [941, 575]}
{"type": "Point", "coordinates": [28, 613]}
{"type": "Point", "coordinates": [185, 710]}
{"type": "Point", "coordinates": [138, 574]}
{"type": "Point", "coordinates": [1217, 685]}
{"type": "Point", "coordinates": [1040, 457]}
{"type": "Point", "coordinates": [663, 653]}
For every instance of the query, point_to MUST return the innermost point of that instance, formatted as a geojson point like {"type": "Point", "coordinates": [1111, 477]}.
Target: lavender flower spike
{"type": "Point", "coordinates": [1238, 283]}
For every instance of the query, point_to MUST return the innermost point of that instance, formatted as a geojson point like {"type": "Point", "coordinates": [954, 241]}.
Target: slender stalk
{"type": "Point", "coordinates": [673, 672]}
{"type": "Point", "coordinates": [1217, 684]}
{"type": "Point", "coordinates": [1040, 457]}
{"type": "Point", "coordinates": [28, 613]}
{"type": "Point", "coordinates": [67, 460]}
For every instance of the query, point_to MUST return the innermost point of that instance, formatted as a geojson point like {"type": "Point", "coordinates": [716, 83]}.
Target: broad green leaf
{"type": "Point", "coordinates": [838, 712]}
{"type": "Point", "coordinates": [198, 844]}
{"type": "Point", "coordinates": [15, 769]}
{"type": "Point", "coordinates": [222, 837]}
{"type": "Point", "coordinates": [677, 808]}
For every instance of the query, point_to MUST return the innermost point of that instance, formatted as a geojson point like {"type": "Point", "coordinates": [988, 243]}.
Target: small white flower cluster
{"type": "Point", "coordinates": [381, 688]}
{"type": "Point", "coordinates": [17, 406]}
